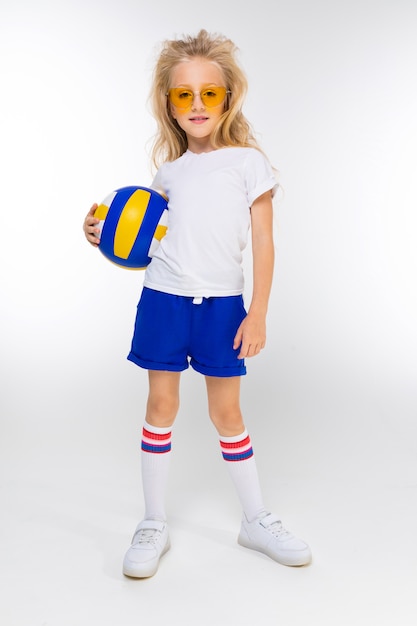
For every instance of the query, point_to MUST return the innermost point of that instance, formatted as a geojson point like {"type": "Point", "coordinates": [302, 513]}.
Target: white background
{"type": "Point", "coordinates": [331, 403]}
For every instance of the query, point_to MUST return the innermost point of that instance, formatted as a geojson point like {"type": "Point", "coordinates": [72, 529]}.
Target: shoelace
{"type": "Point", "coordinates": [147, 535]}
{"type": "Point", "coordinates": [278, 530]}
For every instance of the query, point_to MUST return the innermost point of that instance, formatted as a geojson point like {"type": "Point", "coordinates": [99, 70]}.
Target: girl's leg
{"type": "Point", "coordinates": [151, 539]}
{"type": "Point", "coordinates": [260, 530]}
{"type": "Point", "coordinates": [224, 410]}
{"type": "Point", "coordinates": [161, 410]}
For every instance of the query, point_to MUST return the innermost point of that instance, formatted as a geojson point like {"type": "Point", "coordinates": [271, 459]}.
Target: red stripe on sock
{"type": "Point", "coordinates": [235, 444]}
{"type": "Point", "coordinates": [156, 436]}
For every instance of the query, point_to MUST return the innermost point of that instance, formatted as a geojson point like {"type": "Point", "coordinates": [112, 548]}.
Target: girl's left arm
{"type": "Point", "coordinates": [251, 334]}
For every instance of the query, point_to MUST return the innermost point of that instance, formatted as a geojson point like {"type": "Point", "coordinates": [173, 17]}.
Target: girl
{"type": "Point", "coordinates": [219, 184]}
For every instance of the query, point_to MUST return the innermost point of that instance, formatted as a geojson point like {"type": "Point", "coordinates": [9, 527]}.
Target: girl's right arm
{"type": "Point", "coordinates": [89, 227]}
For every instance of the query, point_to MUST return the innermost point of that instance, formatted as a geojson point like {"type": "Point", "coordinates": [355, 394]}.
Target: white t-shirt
{"type": "Point", "coordinates": [209, 200]}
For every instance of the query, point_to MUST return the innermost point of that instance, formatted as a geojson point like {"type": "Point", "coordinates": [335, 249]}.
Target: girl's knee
{"type": "Point", "coordinates": [162, 410]}
{"type": "Point", "coordinates": [163, 399]}
{"type": "Point", "coordinates": [228, 423]}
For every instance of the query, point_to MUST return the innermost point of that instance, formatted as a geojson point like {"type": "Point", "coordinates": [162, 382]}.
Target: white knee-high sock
{"type": "Point", "coordinates": [238, 454]}
{"type": "Point", "coordinates": [155, 460]}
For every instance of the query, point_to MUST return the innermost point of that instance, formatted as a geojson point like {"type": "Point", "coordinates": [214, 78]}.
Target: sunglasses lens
{"type": "Point", "coordinates": [213, 97]}
{"type": "Point", "coordinates": [183, 98]}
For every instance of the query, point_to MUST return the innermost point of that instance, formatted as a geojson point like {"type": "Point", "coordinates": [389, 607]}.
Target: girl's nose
{"type": "Point", "coordinates": [197, 101]}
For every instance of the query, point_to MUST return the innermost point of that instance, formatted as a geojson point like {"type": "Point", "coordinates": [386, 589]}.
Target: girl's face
{"type": "Point", "coordinates": [196, 118]}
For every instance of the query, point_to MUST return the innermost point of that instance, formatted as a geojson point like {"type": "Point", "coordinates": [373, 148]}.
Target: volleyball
{"type": "Point", "coordinates": [133, 220]}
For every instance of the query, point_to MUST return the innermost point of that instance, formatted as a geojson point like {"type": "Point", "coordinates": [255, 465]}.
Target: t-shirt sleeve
{"type": "Point", "coordinates": [157, 183]}
{"type": "Point", "coordinates": [259, 176]}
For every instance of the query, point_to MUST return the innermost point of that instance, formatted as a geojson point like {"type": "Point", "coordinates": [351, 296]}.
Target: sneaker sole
{"type": "Point", "coordinates": [293, 560]}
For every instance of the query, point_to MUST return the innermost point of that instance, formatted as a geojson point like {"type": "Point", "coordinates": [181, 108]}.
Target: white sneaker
{"type": "Point", "coordinates": [149, 543]}
{"type": "Point", "coordinates": [267, 534]}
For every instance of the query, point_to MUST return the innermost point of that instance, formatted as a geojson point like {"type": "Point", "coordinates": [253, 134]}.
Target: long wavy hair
{"type": "Point", "coordinates": [233, 129]}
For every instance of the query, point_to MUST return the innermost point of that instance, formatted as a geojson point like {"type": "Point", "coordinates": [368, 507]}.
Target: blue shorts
{"type": "Point", "coordinates": [172, 332]}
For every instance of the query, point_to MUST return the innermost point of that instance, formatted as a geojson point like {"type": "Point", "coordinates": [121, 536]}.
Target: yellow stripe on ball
{"type": "Point", "coordinates": [130, 222]}
{"type": "Point", "coordinates": [160, 232]}
{"type": "Point", "coordinates": [101, 212]}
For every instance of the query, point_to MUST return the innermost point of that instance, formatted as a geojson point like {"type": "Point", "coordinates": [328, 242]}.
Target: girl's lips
{"type": "Point", "coordinates": [198, 120]}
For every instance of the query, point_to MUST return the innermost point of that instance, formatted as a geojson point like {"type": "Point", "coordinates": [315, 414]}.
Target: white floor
{"type": "Point", "coordinates": [70, 496]}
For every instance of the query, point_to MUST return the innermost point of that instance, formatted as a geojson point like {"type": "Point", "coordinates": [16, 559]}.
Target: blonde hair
{"type": "Point", "coordinates": [233, 129]}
